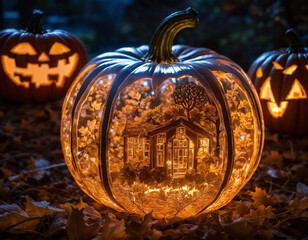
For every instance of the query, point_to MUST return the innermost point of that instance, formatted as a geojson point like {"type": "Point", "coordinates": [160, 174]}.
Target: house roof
{"type": "Point", "coordinates": [181, 122]}
{"type": "Point", "coordinates": [134, 129]}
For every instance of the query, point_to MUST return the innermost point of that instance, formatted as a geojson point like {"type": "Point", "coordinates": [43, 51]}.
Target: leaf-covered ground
{"type": "Point", "coordinates": [40, 200]}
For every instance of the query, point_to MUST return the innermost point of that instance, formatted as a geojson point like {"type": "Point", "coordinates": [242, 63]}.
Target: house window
{"type": "Point", "coordinates": [180, 132]}
{"type": "Point", "coordinates": [130, 148]}
{"type": "Point", "coordinates": [191, 153]}
{"type": "Point", "coordinates": [204, 145]}
{"type": "Point", "coordinates": [180, 149]}
{"type": "Point", "coordinates": [160, 150]}
{"type": "Point", "coordinates": [137, 147]}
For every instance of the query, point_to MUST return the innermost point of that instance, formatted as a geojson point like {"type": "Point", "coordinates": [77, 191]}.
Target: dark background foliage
{"type": "Point", "coordinates": [239, 29]}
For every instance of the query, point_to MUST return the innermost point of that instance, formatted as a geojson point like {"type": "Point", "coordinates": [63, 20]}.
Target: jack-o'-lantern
{"type": "Point", "coordinates": [281, 80]}
{"type": "Point", "coordinates": [38, 65]}
{"type": "Point", "coordinates": [176, 130]}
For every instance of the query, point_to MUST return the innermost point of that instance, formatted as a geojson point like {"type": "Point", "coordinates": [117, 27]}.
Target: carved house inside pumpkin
{"type": "Point", "coordinates": [175, 146]}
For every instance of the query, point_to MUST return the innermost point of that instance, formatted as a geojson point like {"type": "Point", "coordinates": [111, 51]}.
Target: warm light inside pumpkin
{"type": "Point", "coordinates": [58, 48]}
{"type": "Point", "coordinates": [266, 91]}
{"type": "Point", "coordinates": [277, 66]}
{"type": "Point", "coordinates": [42, 71]}
{"type": "Point", "coordinates": [297, 91]}
{"type": "Point", "coordinates": [289, 70]}
{"type": "Point", "coordinates": [23, 48]}
{"type": "Point", "coordinates": [259, 72]}
{"type": "Point", "coordinates": [165, 153]}
{"type": "Point", "coordinates": [275, 110]}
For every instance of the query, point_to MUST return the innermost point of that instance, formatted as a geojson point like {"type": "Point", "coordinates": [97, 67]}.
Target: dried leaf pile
{"type": "Point", "coordinates": [39, 198]}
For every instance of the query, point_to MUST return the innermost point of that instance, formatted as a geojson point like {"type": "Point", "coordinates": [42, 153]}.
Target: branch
{"type": "Point", "coordinates": [25, 220]}
{"type": "Point", "coordinates": [38, 169]}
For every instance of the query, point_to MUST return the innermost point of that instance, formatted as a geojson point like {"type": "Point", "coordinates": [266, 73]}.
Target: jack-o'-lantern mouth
{"type": "Point", "coordinates": [275, 110]}
{"type": "Point", "coordinates": [41, 73]}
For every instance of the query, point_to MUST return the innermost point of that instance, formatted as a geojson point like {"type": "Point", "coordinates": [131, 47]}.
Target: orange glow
{"type": "Point", "coordinates": [259, 72]}
{"type": "Point", "coordinates": [266, 91]}
{"type": "Point", "coordinates": [275, 110]}
{"type": "Point", "coordinates": [186, 189]}
{"type": "Point", "coordinates": [290, 70]}
{"type": "Point", "coordinates": [297, 91]}
{"type": "Point", "coordinates": [277, 66]}
{"type": "Point", "coordinates": [176, 162]}
{"type": "Point", "coordinates": [58, 49]}
{"type": "Point", "coordinates": [23, 48]}
{"type": "Point", "coordinates": [39, 74]}
{"type": "Point", "coordinates": [43, 57]}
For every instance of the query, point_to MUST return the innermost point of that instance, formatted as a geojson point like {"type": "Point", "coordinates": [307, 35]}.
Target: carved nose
{"type": "Point", "coordinates": [43, 57]}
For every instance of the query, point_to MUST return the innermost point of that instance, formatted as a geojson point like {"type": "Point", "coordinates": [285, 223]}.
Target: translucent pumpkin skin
{"type": "Point", "coordinates": [132, 144]}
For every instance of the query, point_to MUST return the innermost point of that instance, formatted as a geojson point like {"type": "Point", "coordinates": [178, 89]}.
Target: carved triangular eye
{"type": "Point", "coordinates": [23, 48]}
{"type": "Point", "coordinates": [58, 49]}
{"type": "Point", "coordinates": [290, 70]}
{"type": "Point", "coordinates": [266, 91]}
{"type": "Point", "coordinates": [259, 72]}
{"type": "Point", "coordinates": [277, 66]}
{"type": "Point", "coordinates": [297, 91]}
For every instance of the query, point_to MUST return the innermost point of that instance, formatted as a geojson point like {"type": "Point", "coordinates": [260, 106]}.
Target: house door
{"type": "Point", "coordinates": [179, 158]}
{"type": "Point", "coordinates": [180, 153]}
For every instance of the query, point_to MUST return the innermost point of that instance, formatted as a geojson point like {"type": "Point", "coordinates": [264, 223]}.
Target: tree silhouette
{"type": "Point", "coordinates": [189, 95]}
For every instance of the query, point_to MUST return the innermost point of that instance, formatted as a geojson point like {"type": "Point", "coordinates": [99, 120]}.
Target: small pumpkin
{"type": "Point", "coordinates": [281, 80]}
{"type": "Point", "coordinates": [176, 130]}
{"type": "Point", "coordinates": [38, 65]}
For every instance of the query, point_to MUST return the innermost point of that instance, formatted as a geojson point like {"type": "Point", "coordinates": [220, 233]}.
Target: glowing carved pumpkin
{"type": "Point", "coordinates": [281, 79]}
{"type": "Point", "coordinates": [38, 65]}
{"type": "Point", "coordinates": [177, 130]}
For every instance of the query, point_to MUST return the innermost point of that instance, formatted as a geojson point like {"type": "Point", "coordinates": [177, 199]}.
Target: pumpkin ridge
{"type": "Point", "coordinates": [266, 67]}
{"type": "Point", "coordinates": [227, 124]}
{"type": "Point", "coordinates": [301, 105]}
{"type": "Point", "coordinates": [281, 59]}
{"type": "Point", "coordinates": [291, 60]}
{"type": "Point", "coordinates": [119, 80]}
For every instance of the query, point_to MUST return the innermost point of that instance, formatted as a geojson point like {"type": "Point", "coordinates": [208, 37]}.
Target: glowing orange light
{"type": "Point", "coordinates": [290, 70]}
{"type": "Point", "coordinates": [23, 48]}
{"type": "Point", "coordinates": [39, 73]}
{"type": "Point", "coordinates": [297, 91]}
{"type": "Point", "coordinates": [275, 110]}
{"type": "Point", "coordinates": [277, 66]}
{"type": "Point", "coordinates": [259, 72]}
{"type": "Point", "coordinates": [266, 91]}
{"type": "Point", "coordinates": [43, 57]}
{"type": "Point", "coordinates": [58, 48]}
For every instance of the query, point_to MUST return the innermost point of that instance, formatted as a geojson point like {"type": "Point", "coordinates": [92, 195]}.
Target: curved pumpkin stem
{"type": "Point", "coordinates": [296, 44]}
{"type": "Point", "coordinates": [161, 43]}
{"type": "Point", "coordinates": [34, 25]}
